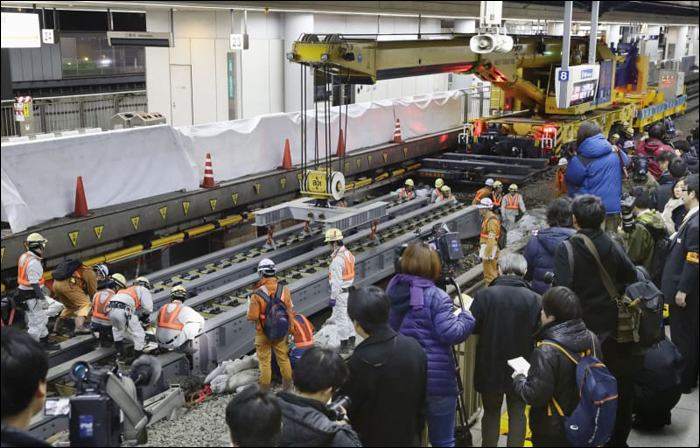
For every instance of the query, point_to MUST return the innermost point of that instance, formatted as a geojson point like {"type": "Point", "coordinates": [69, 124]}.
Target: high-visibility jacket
{"type": "Point", "coordinates": [512, 202]}
{"type": "Point", "coordinates": [24, 260]}
{"type": "Point", "coordinates": [485, 224]}
{"type": "Point", "coordinates": [170, 319]}
{"type": "Point", "coordinates": [131, 291]}
{"type": "Point", "coordinates": [436, 195]}
{"type": "Point", "coordinates": [497, 199]}
{"type": "Point", "coordinates": [99, 304]}
{"type": "Point", "coordinates": [304, 331]}
{"type": "Point", "coordinates": [404, 194]}
{"type": "Point", "coordinates": [481, 194]}
{"type": "Point", "coordinates": [349, 269]}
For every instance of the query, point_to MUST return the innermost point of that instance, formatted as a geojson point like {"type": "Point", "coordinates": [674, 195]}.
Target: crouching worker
{"type": "Point", "coordinates": [128, 309]}
{"type": "Point", "coordinates": [100, 308]}
{"type": "Point", "coordinates": [178, 324]}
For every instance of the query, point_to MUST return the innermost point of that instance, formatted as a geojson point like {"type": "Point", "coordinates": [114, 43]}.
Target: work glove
{"type": "Point", "coordinates": [145, 319]}
{"type": "Point", "coordinates": [331, 303]}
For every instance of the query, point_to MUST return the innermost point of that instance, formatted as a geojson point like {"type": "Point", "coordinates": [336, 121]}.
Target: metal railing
{"type": "Point", "coordinates": [67, 113]}
{"type": "Point", "coordinates": [476, 102]}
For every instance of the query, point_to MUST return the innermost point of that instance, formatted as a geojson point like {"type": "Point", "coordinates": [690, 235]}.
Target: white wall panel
{"type": "Point", "coordinates": [204, 96]}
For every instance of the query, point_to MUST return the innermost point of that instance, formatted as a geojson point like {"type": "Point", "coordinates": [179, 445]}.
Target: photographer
{"type": "Point", "coordinates": [306, 420]}
{"type": "Point", "coordinates": [388, 376]}
{"type": "Point", "coordinates": [254, 418]}
{"type": "Point", "coordinates": [24, 369]}
{"type": "Point", "coordinates": [647, 228]}
{"type": "Point", "coordinates": [639, 176]}
{"type": "Point", "coordinates": [423, 311]}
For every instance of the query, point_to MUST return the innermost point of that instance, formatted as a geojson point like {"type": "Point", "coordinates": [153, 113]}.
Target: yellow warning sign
{"type": "Point", "coordinates": [135, 222]}
{"type": "Point", "coordinates": [185, 206]}
{"type": "Point", "coordinates": [283, 182]}
{"type": "Point", "coordinates": [347, 166]}
{"type": "Point", "coordinates": [234, 196]}
{"type": "Point", "coordinates": [163, 212]}
{"type": "Point", "coordinates": [98, 231]}
{"type": "Point", "coordinates": [385, 156]}
{"type": "Point", "coordinates": [3, 255]}
{"type": "Point", "coordinates": [369, 160]}
{"type": "Point", "coordinates": [405, 152]}
{"type": "Point", "coordinates": [359, 163]}
{"type": "Point", "coordinates": [212, 204]}
{"type": "Point", "coordinates": [257, 188]}
{"type": "Point", "coordinates": [300, 177]}
{"type": "Point", "coordinates": [26, 113]}
{"type": "Point", "coordinates": [73, 237]}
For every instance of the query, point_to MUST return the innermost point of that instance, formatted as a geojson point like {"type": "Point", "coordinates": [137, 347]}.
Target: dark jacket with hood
{"type": "Point", "coordinates": [507, 313]}
{"type": "Point", "coordinates": [691, 161]}
{"type": "Point", "coordinates": [597, 170]}
{"type": "Point", "coordinates": [664, 192]}
{"type": "Point", "coordinates": [307, 422]}
{"type": "Point", "coordinates": [387, 384]}
{"type": "Point", "coordinates": [653, 148]}
{"type": "Point", "coordinates": [553, 374]}
{"type": "Point", "coordinates": [539, 254]}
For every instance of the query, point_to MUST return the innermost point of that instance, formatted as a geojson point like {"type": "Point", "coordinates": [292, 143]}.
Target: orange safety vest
{"type": "Point", "coordinates": [484, 232]}
{"type": "Point", "coordinates": [439, 193]}
{"type": "Point", "coordinates": [24, 260]}
{"type": "Point", "coordinates": [561, 188]}
{"type": "Point", "coordinates": [170, 320]}
{"type": "Point", "coordinates": [512, 202]}
{"type": "Point", "coordinates": [131, 290]}
{"type": "Point", "coordinates": [349, 270]}
{"type": "Point", "coordinates": [496, 199]}
{"type": "Point", "coordinates": [98, 306]}
{"type": "Point", "coordinates": [481, 194]}
{"type": "Point", "coordinates": [304, 331]}
{"type": "Point", "coordinates": [406, 194]}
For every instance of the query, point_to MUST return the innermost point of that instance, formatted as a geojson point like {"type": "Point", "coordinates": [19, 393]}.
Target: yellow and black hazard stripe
{"type": "Point", "coordinates": [692, 257]}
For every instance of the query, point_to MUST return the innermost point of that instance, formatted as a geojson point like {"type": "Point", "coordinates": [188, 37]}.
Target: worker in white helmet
{"type": "Point", "coordinates": [488, 240]}
{"type": "Point", "coordinates": [485, 192]}
{"type": "Point", "coordinates": [437, 194]}
{"type": "Point", "coordinates": [30, 297]}
{"type": "Point", "coordinates": [560, 188]}
{"type": "Point", "coordinates": [128, 309]}
{"type": "Point", "coordinates": [407, 192]}
{"type": "Point", "coordinates": [512, 205]}
{"type": "Point", "coordinates": [178, 324]}
{"type": "Point", "coordinates": [99, 322]}
{"type": "Point", "coordinates": [341, 275]}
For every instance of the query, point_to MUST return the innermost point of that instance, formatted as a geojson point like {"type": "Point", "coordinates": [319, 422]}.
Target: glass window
{"type": "Point", "coordinates": [89, 55]}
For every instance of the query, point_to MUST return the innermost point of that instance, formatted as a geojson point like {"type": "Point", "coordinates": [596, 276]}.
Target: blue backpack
{"type": "Point", "coordinates": [276, 324]}
{"type": "Point", "coordinates": [593, 420]}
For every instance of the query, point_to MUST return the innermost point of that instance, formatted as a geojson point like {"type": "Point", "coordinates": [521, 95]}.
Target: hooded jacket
{"type": "Point", "coordinates": [691, 161]}
{"type": "Point", "coordinates": [539, 254]}
{"type": "Point", "coordinates": [423, 311]}
{"type": "Point", "coordinates": [664, 192]}
{"type": "Point", "coordinates": [597, 170]}
{"type": "Point", "coordinates": [649, 226]}
{"type": "Point", "coordinates": [387, 383]}
{"type": "Point", "coordinates": [652, 148]}
{"type": "Point", "coordinates": [552, 374]}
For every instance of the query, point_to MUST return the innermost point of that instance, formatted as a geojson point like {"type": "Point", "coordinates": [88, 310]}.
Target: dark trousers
{"type": "Point", "coordinates": [623, 418]}
{"type": "Point", "coordinates": [549, 440]}
{"type": "Point", "coordinates": [684, 333]}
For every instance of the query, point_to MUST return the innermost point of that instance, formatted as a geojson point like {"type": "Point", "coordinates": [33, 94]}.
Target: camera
{"type": "Point", "coordinates": [627, 205]}
{"type": "Point", "coordinates": [447, 244]}
{"type": "Point", "coordinates": [336, 407]}
{"type": "Point", "coordinates": [549, 278]}
{"type": "Point", "coordinates": [640, 166]}
{"type": "Point", "coordinates": [107, 408]}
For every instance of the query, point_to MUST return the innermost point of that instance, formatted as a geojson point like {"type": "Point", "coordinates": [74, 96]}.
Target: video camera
{"type": "Point", "coordinates": [338, 408]}
{"type": "Point", "coordinates": [447, 244]}
{"type": "Point", "coordinates": [628, 218]}
{"type": "Point", "coordinates": [107, 409]}
{"type": "Point", "coordinates": [640, 166]}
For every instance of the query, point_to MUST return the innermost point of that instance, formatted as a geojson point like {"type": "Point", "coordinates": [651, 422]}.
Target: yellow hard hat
{"type": "Point", "coordinates": [143, 281]}
{"type": "Point", "coordinates": [35, 239]}
{"type": "Point", "coordinates": [445, 189]}
{"type": "Point", "coordinates": [629, 131]}
{"type": "Point", "coordinates": [439, 183]}
{"type": "Point", "coordinates": [513, 187]}
{"type": "Point", "coordinates": [178, 292]}
{"type": "Point", "coordinates": [119, 280]}
{"type": "Point", "coordinates": [497, 184]}
{"type": "Point", "coordinates": [333, 235]}
{"type": "Point", "coordinates": [409, 182]}
{"type": "Point", "coordinates": [617, 136]}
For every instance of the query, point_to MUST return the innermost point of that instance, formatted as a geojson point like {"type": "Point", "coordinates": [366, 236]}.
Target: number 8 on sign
{"type": "Point", "coordinates": [564, 75]}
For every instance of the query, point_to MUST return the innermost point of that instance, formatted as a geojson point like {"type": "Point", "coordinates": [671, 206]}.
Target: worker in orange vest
{"type": "Point", "coordinates": [178, 324]}
{"type": "Point", "coordinates": [512, 205]}
{"type": "Point", "coordinates": [99, 322]}
{"type": "Point", "coordinates": [129, 309]}
{"type": "Point", "coordinates": [488, 240]}
{"type": "Point", "coordinates": [484, 192]}
{"type": "Point", "coordinates": [75, 293]}
{"type": "Point", "coordinates": [30, 297]}
{"type": "Point", "coordinates": [560, 185]}
{"type": "Point", "coordinates": [497, 196]}
{"type": "Point", "coordinates": [407, 192]}
{"type": "Point", "coordinates": [437, 194]}
{"type": "Point", "coordinates": [446, 194]}
{"type": "Point", "coordinates": [341, 275]}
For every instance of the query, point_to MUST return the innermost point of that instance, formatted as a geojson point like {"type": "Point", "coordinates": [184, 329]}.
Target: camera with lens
{"type": "Point", "coordinates": [338, 408]}
{"type": "Point", "coordinates": [447, 244]}
{"type": "Point", "coordinates": [107, 409]}
{"type": "Point", "coordinates": [640, 166]}
{"type": "Point", "coordinates": [548, 278]}
{"type": "Point", "coordinates": [628, 218]}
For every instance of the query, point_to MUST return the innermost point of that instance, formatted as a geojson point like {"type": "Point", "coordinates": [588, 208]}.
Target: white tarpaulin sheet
{"type": "Point", "coordinates": [39, 177]}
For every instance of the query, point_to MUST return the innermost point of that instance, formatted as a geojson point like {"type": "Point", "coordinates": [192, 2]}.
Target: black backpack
{"type": "Point", "coordinates": [662, 247]}
{"type": "Point", "coordinates": [276, 323]}
{"type": "Point", "coordinates": [66, 268]}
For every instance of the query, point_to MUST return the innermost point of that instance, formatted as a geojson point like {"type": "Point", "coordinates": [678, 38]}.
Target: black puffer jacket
{"type": "Point", "coordinates": [306, 422]}
{"type": "Point", "coordinates": [553, 374]}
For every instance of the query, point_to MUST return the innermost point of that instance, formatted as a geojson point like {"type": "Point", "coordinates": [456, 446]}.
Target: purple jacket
{"type": "Point", "coordinates": [421, 310]}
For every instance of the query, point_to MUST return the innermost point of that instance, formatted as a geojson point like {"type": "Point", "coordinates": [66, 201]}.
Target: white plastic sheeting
{"type": "Point", "coordinates": [39, 177]}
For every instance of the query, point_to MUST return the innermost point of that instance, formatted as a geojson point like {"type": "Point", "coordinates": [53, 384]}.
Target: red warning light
{"type": "Point", "coordinates": [443, 138]}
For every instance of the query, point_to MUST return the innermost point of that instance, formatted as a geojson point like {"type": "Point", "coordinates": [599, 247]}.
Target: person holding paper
{"type": "Point", "coordinates": [552, 376]}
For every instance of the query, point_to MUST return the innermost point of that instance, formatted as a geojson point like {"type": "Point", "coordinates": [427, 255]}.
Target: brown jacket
{"type": "Point", "coordinates": [258, 306]}
{"type": "Point", "coordinates": [84, 278]}
{"type": "Point", "coordinates": [481, 194]}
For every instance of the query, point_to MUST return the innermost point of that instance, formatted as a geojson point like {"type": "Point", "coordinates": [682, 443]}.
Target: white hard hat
{"type": "Point", "coordinates": [489, 182]}
{"type": "Point", "coordinates": [102, 270]}
{"type": "Point", "coordinates": [35, 240]}
{"type": "Point", "coordinates": [628, 144]}
{"type": "Point", "coordinates": [563, 162]}
{"type": "Point", "coordinates": [143, 281]}
{"type": "Point", "coordinates": [486, 203]}
{"type": "Point", "coordinates": [178, 293]}
{"type": "Point", "coordinates": [267, 267]}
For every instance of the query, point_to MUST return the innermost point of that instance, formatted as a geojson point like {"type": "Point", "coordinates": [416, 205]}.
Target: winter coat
{"type": "Point", "coordinates": [691, 162]}
{"type": "Point", "coordinates": [17, 437]}
{"type": "Point", "coordinates": [597, 170]}
{"type": "Point", "coordinates": [387, 383]}
{"type": "Point", "coordinates": [652, 148]}
{"type": "Point", "coordinates": [649, 182]}
{"type": "Point", "coordinates": [307, 422]}
{"type": "Point", "coordinates": [665, 190]}
{"type": "Point", "coordinates": [423, 311]}
{"type": "Point", "coordinates": [539, 254]}
{"type": "Point", "coordinates": [649, 226]}
{"type": "Point", "coordinates": [681, 268]}
{"type": "Point", "coordinates": [673, 207]}
{"type": "Point", "coordinates": [553, 374]}
{"type": "Point", "coordinates": [507, 314]}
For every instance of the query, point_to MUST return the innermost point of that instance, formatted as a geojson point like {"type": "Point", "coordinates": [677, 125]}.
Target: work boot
{"type": "Point", "coordinates": [58, 326]}
{"type": "Point", "coordinates": [344, 347]}
{"type": "Point", "coordinates": [80, 327]}
{"type": "Point", "coordinates": [121, 350]}
{"type": "Point", "coordinates": [287, 385]}
{"type": "Point", "coordinates": [105, 340]}
{"type": "Point", "coordinates": [351, 343]}
{"type": "Point", "coordinates": [47, 345]}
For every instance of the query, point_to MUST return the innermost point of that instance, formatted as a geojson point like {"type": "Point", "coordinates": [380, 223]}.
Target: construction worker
{"type": "Point", "coordinates": [446, 194]}
{"type": "Point", "coordinates": [99, 321]}
{"type": "Point", "coordinates": [30, 297]}
{"type": "Point", "coordinates": [341, 274]}
{"type": "Point", "coordinates": [512, 205]}
{"type": "Point", "coordinates": [560, 181]}
{"type": "Point", "coordinates": [178, 324]}
{"type": "Point", "coordinates": [484, 192]}
{"type": "Point", "coordinates": [407, 192]}
{"type": "Point", "coordinates": [497, 196]}
{"type": "Point", "coordinates": [303, 338]}
{"type": "Point", "coordinates": [437, 194]}
{"type": "Point", "coordinates": [614, 139]}
{"type": "Point", "coordinates": [488, 240]}
{"type": "Point", "coordinates": [262, 297]}
{"type": "Point", "coordinates": [75, 293]}
{"type": "Point", "coordinates": [128, 309]}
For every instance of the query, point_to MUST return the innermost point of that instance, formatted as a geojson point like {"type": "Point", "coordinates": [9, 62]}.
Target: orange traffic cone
{"type": "Point", "coordinates": [340, 152]}
{"type": "Point", "coordinates": [287, 159]}
{"type": "Point", "coordinates": [208, 174]}
{"type": "Point", "coordinates": [397, 132]}
{"type": "Point", "coordinates": [81, 208]}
